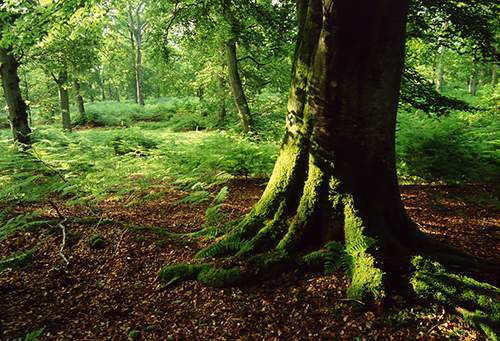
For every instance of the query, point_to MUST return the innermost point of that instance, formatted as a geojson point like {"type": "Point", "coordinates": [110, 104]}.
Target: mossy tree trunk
{"type": "Point", "coordinates": [18, 110]}
{"type": "Point", "coordinates": [335, 177]}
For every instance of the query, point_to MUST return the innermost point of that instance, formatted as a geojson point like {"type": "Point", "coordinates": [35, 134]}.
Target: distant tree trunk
{"type": "Point", "coordinates": [440, 70]}
{"type": "Point", "coordinates": [222, 106]}
{"type": "Point", "coordinates": [134, 65]}
{"type": "Point", "coordinates": [27, 96]}
{"type": "Point", "coordinates": [136, 27]}
{"type": "Point", "coordinates": [78, 98]}
{"type": "Point", "coordinates": [473, 83]}
{"type": "Point", "coordinates": [494, 75]}
{"type": "Point", "coordinates": [102, 86]}
{"type": "Point", "coordinates": [18, 110]}
{"type": "Point", "coordinates": [91, 93]}
{"type": "Point", "coordinates": [237, 87]}
{"type": "Point", "coordinates": [139, 71]}
{"type": "Point", "coordinates": [62, 81]}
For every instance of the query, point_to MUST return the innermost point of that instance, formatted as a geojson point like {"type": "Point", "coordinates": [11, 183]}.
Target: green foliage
{"type": "Point", "coordinates": [172, 111]}
{"type": "Point", "coordinates": [458, 147]}
{"type": "Point", "coordinates": [16, 261]}
{"type": "Point", "coordinates": [215, 277]}
{"type": "Point", "coordinates": [134, 334]}
{"type": "Point", "coordinates": [196, 197]}
{"type": "Point", "coordinates": [96, 242]}
{"type": "Point", "coordinates": [366, 278]}
{"type": "Point", "coordinates": [132, 142]}
{"type": "Point", "coordinates": [180, 272]}
{"type": "Point", "coordinates": [35, 335]}
{"type": "Point", "coordinates": [18, 223]}
{"type": "Point", "coordinates": [481, 300]}
{"type": "Point", "coordinates": [90, 165]}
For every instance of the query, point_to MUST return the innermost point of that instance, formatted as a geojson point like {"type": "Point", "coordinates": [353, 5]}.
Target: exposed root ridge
{"type": "Point", "coordinates": [366, 277]}
{"type": "Point", "coordinates": [479, 303]}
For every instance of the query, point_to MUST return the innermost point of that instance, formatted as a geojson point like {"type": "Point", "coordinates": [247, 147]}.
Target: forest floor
{"type": "Point", "coordinates": [108, 293]}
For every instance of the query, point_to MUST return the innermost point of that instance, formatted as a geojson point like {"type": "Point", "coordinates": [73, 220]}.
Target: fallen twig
{"type": "Point", "coordinates": [63, 243]}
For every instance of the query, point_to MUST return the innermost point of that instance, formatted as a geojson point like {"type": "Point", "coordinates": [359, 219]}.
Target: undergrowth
{"type": "Point", "coordinates": [129, 163]}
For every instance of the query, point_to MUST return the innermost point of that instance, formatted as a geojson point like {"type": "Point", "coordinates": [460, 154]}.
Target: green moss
{"type": "Point", "coordinates": [96, 242]}
{"type": "Point", "coordinates": [17, 261]}
{"type": "Point", "coordinates": [134, 335]}
{"type": "Point", "coordinates": [307, 208]}
{"type": "Point", "coordinates": [269, 264]}
{"type": "Point", "coordinates": [215, 277]}
{"type": "Point", "coordinates": [480, 300]}
{"type": "Point", "coordinates": [330, 259]}
{"type": "Point", "coordinates": [180, 272]}
{"type": "Point", "coordinates": [366, 278]}
{"type": "Point", "coordinates": [229, 245]}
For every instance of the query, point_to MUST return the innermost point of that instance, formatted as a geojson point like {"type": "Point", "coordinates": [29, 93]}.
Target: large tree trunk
{"type": "Point", "coordinates": [62, 86]}
{"type": "Point", "coordinates": [79, 99]}
{"type": "Point", "coordinates": [335, 177]}
{"type": "Point", "coordinates": [18, 111]}
{"type": "Point", "coordinates": [236, 86]}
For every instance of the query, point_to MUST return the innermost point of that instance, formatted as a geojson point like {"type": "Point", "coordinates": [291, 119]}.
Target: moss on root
{"type": "Point", "coordinates": [206, 274]}
{"type": "Point", "coordinates": [17, 261]}
{"type": "Point", "coordinates": [478, 302]}
{"type": "Point", "coordinates": [366, 277]}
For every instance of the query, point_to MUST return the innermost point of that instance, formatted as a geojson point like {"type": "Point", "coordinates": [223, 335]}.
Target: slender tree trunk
{"type": "Point", "coordinates": [78, 98]}
{"type": "Point", "coordinates": [62, 84]}
{"type": "Point", "coordinates": [221, 117]}
{"type": "Point", "coordinates": [440, 70]}
{"type": "Point", "coordinates": [237, 87]}
{"type": "Point", "coordinates": [133, 61]}
{"type": "Point", "coordinates": [27, 97]}
{"type": "Point", "coordinates": [91, 93]}
{"type": "Point", "coordinates": [494, 75]}
{"type": "Point", "coordinates": [139, 71]}
{"type": "Point", "coordinates": [18, 110]}
{"type": "Point", "coordinates": [102, 87]}
{"type": "Point", "coordinates": [473, 82]}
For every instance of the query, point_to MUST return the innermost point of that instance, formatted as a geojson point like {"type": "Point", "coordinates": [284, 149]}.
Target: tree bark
{"type": "Point", "coordinates": [473, 84]}
{"type": "Point", "coordinates": [440, 70]}
{"type": "Point", "coordinates": [139, 72]}
{"type": "Point", "coordinates": [135, 26]}
{"type": "Point", "coordinates": [237, 87]}
{"type": "Point", "coordinates": [18, 110]}
{"type": "Point", "coordinates": [79, 99]}
{"type": "Point", "coordinates": [62, 81]}
{"type": "Point", "coordinates": [494, 75]}
{"type": "Point", "coordinates": [335, 177]}
{"type": "Point", "coordinates": [133, 62]}
{"type": "Point", "coordinates": [221, 117]}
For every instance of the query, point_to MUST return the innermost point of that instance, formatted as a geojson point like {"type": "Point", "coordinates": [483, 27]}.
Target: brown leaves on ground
{"type": "Point", "coordinates": [104, 294]}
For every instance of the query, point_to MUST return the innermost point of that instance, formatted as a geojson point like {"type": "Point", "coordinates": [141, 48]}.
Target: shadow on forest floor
{"type": "Point", "coordinates": [112, 292]}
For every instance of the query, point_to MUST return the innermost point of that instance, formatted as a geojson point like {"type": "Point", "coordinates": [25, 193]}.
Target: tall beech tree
{"type": "Point", "coordinates": [333, 195]}
{"type": "Point", "coordinates": [18, 110]}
